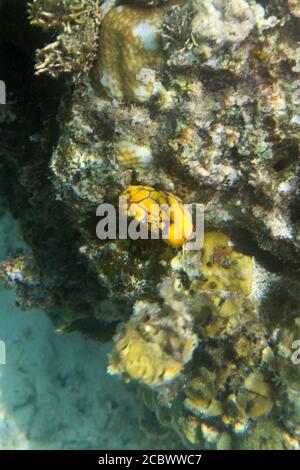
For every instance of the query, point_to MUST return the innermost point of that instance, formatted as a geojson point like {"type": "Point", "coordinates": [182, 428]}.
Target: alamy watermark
{"type": "Point", "coordinates": [2, 353]}
{"type": "Point", "coordinates": [295, 357]}
{"type": "Point", "coordinates": [2, 92]}
{"type": "Point", "coordinates": [157, 222]}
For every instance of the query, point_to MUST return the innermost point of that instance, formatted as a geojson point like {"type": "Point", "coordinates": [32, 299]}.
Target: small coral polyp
{"type": "Point", "coordinates": [129, 53]}
{"type": "Point", "coordinates": [162, 211]}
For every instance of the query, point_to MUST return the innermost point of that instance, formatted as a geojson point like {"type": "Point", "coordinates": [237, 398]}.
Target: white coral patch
{"type": "Point", "coordinates": [111, 86]}
{"type": "Point", "coordinates": [279, 227]}
{"type": "Point", "coordinates": [223, 21]}
{"type": "Point", "coordinates": [143, 92]}
{"type": "Point", "coordinates": [143, 153]}
{"type": "Point", "coordinates": [147, 33]}
{"type": "Point", "coordinates": [285, 187]}
{"type": "Point", "coordinates": [146, 75]}
{"type": "Point", "coordinates": [295, 120]}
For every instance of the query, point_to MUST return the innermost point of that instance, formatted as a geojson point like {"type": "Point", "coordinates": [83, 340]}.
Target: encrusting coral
{"type": "Point", "coordinates": [158, 341]}
{"type": "Point", "coordinates": [129, 53]}
{"type": "Point", "coordinates": [154, 345]}
{"type": "Point", "coordinates": [225, 389]}
{"type": "Point", "coordinates": [197, 99]}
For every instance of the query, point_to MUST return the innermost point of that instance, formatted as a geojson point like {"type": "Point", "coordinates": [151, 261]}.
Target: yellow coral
{"type": "Point", "coordinates": [148, 349]}
{"type": "Point", "coordinates": [190, 429]}
{"type": "Point", "coordinates": [201, 398]}
{"type": "Point", "coordinates": [200, 406]}
{"type": "Point", "coordinates": [129, 53]}
{"type": "Point", "coordinates": [253, 400]}
{"type": "Point", "coordinates": [138, 359]}
{"type": "Point", "coordinates": [224, 268]}
{"type": "Point", "coordinates": [161, 210]}
{"type": "Point", "coordinates": [224, 280]}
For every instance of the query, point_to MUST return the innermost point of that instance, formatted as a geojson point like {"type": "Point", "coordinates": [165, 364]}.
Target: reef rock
{"type": "Point", "coordinates": [197, 100]}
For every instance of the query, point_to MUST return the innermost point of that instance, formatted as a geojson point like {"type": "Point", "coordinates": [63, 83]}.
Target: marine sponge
{"type": "Point", "coordinates": [162, 211]}
{"type": "Point", "coordinates": [154, 345]}
{"type": "Point", "coordinates": [129, 53]}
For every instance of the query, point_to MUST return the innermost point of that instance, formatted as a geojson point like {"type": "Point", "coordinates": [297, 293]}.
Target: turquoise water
{"type": "Point", "coordinates": [54, 389]}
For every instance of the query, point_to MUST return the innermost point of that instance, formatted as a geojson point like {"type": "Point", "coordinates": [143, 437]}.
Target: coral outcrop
{"type": "Point", "coordinates": [198, 99]}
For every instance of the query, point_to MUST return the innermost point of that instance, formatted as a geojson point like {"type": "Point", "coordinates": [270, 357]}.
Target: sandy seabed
{"type": "Point", "coordinates": [54, 389]}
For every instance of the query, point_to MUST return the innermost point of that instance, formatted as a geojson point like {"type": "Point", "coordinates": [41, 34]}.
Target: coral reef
{"type": "Point", "coordinates": [233, 383]}
{"type": "Point", "coordinates": [157, 341]}
{"type": "Point", "coordinates": [198, 99]}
